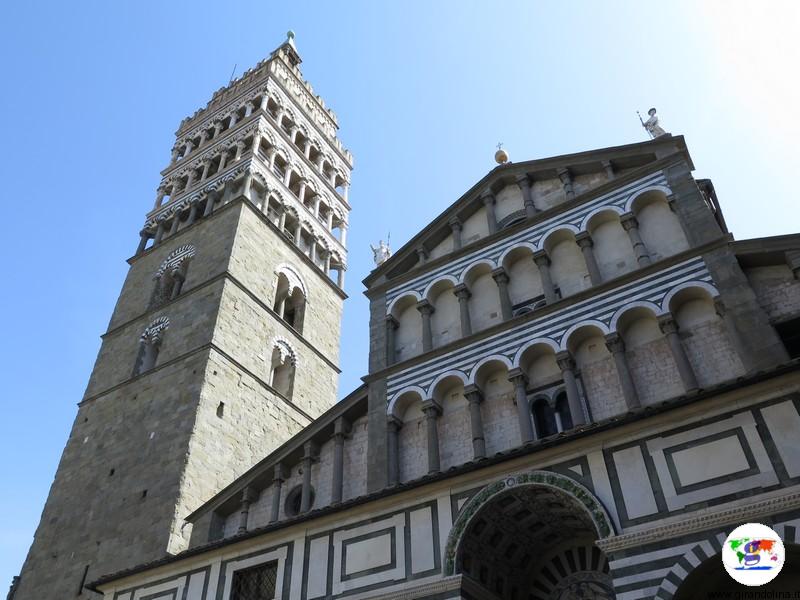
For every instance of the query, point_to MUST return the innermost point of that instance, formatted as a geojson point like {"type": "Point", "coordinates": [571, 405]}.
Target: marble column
{"type": "Point", "coordinates": [223, 158]}
{"type": "Point", "coordinates": [566, 180]}
{"type": "Point", "coordinates": [543, 263]}
{"type": "Point", "coordinates": [340, 427]}
{"type": "Point", "coordinates": [391, 328]}
{"type": "Point", "coordinates": [422, 253]}
{"type": "Point", "coordinates": [264, 101]}
{"type": "Point", "coordinates": [143, 237]}
{"type": "Point", "coordinates": [240, 146]}
{"type": "Point", "coordinates": [178, 277]}
{"type": "Point", "coordinates": [247, 185]}
{"type": "Point", "coordinates": [432, 410]}
{"type": "Point", "coordinates": [567, 365]}
{"type": "Point", "coordinates": [524, 183]}
{"type": "Point", "coordinates": [631, 225]}
{"type": "Point", "coordinates": [277, 486]}
{"type": "Point", "coordinates": [159, 197]}
{"type": "Point", "coordinates": [210, 203]}
{"type": "Point", "coordinates": [340, 277]}
{"type": "Point", "coordinates": [501, 279]}
{"type": "Point", "coordinates": [176, 221]}
{"type": "Point", "coordinates": [518, 378]}
{"type": "Point", "coordinates": [393, 425]}
{"type": "Point", "coordinates": [455, 227]}
{"type": "Point", "coordinates": [474, 398]}
{"type": "Point", "coordinates": [188, 149]}
{"type": "Point", "coordinates": [463, 294]}
{"type": "Point", "coordinates": [616, 346]}
{"type": "Point", "coordinates": [488, 200]}
{"type": "Point", "coordinates": [669, 327]}
{"type": "Point", "coordinates": [585, 243]}
{"type": "Point", "coordinates": [249, 495]}
{"type": "Point", "coordinates": [309, 452]}
{"type": "Point", "coordinates": [301, 192]}
{"type": "Point", "coordinates": [248, 109]}
{"type": "Point", "coordinates": [234, 119]}
{"type": "Point", "coordinates": [159, 230]}
{"type": "Point", "coordinates": [426, 309]}
{"type": "Point", "coordinates": [206, 166]}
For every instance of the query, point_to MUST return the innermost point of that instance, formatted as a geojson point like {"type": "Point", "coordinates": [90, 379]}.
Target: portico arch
{"type": "Point", "coordinates": [530, 521]}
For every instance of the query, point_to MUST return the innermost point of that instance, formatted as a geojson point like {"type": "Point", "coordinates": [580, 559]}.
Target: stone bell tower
{"type": "Point", "coordinates": [225, 339]}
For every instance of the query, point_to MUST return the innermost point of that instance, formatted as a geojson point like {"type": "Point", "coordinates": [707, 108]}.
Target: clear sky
{"type": "Point", "coordinates": [93, 91]}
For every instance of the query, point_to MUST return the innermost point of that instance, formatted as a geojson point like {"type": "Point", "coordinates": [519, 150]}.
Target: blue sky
{"type": "Point", "coordinates": [93, 91]}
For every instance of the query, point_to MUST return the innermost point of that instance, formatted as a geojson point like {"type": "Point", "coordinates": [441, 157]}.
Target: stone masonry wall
{"type": "Point", "coordinates": [777, 290]}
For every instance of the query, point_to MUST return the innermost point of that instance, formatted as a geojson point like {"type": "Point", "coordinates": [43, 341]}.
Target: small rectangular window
{"type": "Point", "coordinates": [255, 583]}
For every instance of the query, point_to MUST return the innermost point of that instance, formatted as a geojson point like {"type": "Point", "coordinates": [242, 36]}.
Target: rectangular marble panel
{"type": "Point", "coordinates": [368, 553]}
{"type": "Point", "coordinates": [421, 535]}
{"type": "Point", "coordinates": [634, 482]}
{"type": "Point", "coordinates": [317, 576]}
{"type": "Point", "coordinates": [783, 422]}
{"type": "Point", "coordinates": [708, 460]}
{"type": "Point", "coordinates": [196, 584]}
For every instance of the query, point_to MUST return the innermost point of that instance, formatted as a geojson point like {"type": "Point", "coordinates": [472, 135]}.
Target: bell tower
{"type": "Point", "coordinates": [225, 339]}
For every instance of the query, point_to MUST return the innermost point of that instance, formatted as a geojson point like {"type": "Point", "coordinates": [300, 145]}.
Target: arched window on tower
{"type": "Point", "coordinates": [282, 368]}
{"type": "Point", "coordinates": [150, 345]}
{"type": "Point", "coordinates": [543, 418]}
{"type": "Point", "coordinates": [171, 275]}
{"type": "Point", "coordinates": [290, 297]}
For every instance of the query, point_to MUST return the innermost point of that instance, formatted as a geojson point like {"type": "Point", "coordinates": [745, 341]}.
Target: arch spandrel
{"type": "Point", "coordinates": [600, 518]}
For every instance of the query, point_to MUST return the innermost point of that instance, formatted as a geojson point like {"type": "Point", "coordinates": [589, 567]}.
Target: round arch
{"type": "Point", "coordinates": [712, 291]}
{"type": "Point", "coordinates": [590, 323]}
{"type": "Point", "coordinates": [530, 344]}
{"type": "Point", "coordinates": [582, 496]}
{"type": "Point", "coordinates": [597, 211]}
{"type": "Point", "coordinates": [654, 308]}
{"type": "Point", "coordinates": [493, 358]}
{"type": "Point", "coordinates": [403, 295]}
{"type": "Point", "coordinates": [650, 188]}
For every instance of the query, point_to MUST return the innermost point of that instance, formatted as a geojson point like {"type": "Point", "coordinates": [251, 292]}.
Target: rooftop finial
{"type": "Point", "coordinates": [501, 156]}
{"type": "Point", "coordinates": [289, 35]}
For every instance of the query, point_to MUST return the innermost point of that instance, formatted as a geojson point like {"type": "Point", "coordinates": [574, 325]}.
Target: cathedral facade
{"type": "Point", "coordinates": [578, 383]}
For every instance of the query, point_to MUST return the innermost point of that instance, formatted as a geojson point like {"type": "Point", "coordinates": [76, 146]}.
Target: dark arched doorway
{"type": "Point", "coordinates": [534, 542]}
{"type": "Point", "coordinates": [711, 577]}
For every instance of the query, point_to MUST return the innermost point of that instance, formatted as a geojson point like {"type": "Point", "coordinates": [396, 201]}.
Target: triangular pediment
{"type": "Point", "coordinates": [551, 182]}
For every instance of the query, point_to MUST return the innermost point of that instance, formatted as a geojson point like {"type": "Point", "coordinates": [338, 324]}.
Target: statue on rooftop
{"type": "Point", "coordinates": [652, 125]}
{"type": "Point", "coordinates": [380, 254]}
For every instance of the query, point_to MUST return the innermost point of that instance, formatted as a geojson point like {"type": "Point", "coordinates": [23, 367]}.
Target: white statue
{"type": "Point", "coordinates": [380, 254]}
{"type": "Point", "coordinates": [653, 128]}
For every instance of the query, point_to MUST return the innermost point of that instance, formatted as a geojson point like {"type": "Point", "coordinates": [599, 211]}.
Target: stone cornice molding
{"type": "Point", "coordinates": [736, 515]}
{"type": "Point", "coordinates": [423, 590]}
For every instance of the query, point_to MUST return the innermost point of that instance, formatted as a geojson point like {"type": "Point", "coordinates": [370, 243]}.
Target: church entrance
{"type": "Point", "coordinates": [534, 542]}
{"type": "Point", "coordinates": [710, 580]}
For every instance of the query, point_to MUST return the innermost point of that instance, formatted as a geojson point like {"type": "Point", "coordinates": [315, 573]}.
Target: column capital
{"type": "Point", "coordinates": [523, 181]}
{"type": "Point", "coordinates": [279, 474]}
{"type": "Point", "coordinates": [431, 408]}
{"type": "Point", "coordinates": [392, 322]}
{"type": "Point", "coordinates": [309, 451]}
{"type": "Point", "coordinates": [564, 175]}
{"type": "Point", "coordinates": [584, 239]}
{"type": "Point", "coordinates": [249, 494]}
{"type": "Point", "coordinates": [615, 343]}
{"type": "Point", "coordinates": [487, 197]}
{"type": "Point", "coordinates": [341, 427]}
{"type": "Point", "coordinates": [455, 223]}
{"type": "Point", "coordinates": [667, 324]}
{"type": "Point", "coordinates": [393, 423]}
{"type": "Point", "coordinates": [422, 253]}
{"type": "Point", "coordinates": [565, 361]}
{"type": "Point", "coordinates": [609, 168]}
{"type": "Point", "coordinates": [541, 258]}
{"type": "Point", "coordinates": [499, 275]}
{"type": "Point", "coordinates": [462, 291]}
{"type": "Point", "coordinates": [517, 376]}
{"type": "Point", "coordinates": [424, 306]}
{"type": "Point", "coordinates": [473, 393]}
{"type": "Point", "coordinates": [629, 221]}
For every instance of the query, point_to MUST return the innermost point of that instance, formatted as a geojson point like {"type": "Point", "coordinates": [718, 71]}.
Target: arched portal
{"type": "Point", "coordinates": [710, 579]}
{"type": "Point", "coordinates": [532, 537]}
